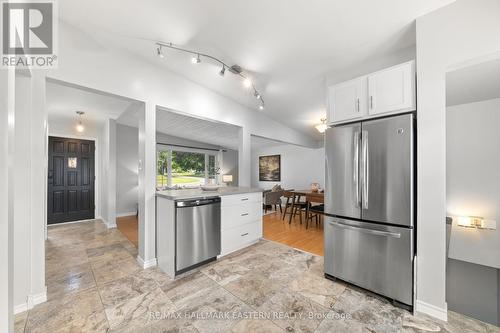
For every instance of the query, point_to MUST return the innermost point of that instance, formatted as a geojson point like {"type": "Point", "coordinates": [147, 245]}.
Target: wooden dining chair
{"type": "Point", "coordinates": [312, 210]}
{"type": "Point", "coordinates": [298, 207]}
{"type": "Point", "coordinates": [288, 194]}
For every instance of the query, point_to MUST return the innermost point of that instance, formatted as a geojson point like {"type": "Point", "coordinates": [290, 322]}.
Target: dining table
{"type": "Point", "coordinates": [301, 193]}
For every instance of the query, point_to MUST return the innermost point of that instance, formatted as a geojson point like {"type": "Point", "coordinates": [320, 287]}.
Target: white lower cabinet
{"type": "Point", "coordinates": [241, 221]}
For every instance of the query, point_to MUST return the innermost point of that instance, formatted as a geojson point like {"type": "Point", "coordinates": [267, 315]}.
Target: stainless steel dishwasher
{"type": "Point", "coordinates": [197, 232]}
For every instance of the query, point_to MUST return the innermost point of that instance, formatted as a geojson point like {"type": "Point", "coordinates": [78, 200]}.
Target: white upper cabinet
{"type": "Point", "coordinates": [347, 100]}
{"type": "Point", "coordinates": [392, 89]}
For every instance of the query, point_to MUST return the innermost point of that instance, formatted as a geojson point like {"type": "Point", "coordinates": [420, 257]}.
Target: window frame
{"type": "Point", "coordinates": [207, 152]}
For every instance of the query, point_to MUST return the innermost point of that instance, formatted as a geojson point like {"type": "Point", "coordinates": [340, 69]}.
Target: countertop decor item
{"type": "Point", "coordinates": [210, 187]}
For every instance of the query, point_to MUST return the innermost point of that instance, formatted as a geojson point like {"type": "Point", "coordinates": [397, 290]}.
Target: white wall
{"type": "Point", "coordinates": [300, 166]}
{"type": "Point", "coordinates": [27, 190]}
{"type": "Point", "coordinates": [7, 118]}
{"type": "Point", "coordinates": [127, 172]}
{"type": "Point", "coordinates": [22, 206]}
{"type": "Point", "coordinates": [127, 160]}
{"type": "Point", "coordinates": [473, 189]}
{"type": "Point", "coordinates": [464, 30]}
{"type": "Point", "coordinates": [473, 159]}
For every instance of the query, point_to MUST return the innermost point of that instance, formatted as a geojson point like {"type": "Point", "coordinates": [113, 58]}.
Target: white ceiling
{"type": "Point", "coordinates": [286, 45]}
{"type": "Point", "coordinates": [473, 83]}
{"type": "Point", "coordinates": [63, 101]}
{"type": "Point", "coordinates": [195, 129]}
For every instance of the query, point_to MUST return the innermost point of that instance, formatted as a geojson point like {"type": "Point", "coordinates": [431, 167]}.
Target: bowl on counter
{"type": "Point", "coordinates": [210, 188]}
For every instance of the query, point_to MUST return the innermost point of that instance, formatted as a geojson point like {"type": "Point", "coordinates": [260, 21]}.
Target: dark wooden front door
{"type": "Point", "coordinates": [71, 180]}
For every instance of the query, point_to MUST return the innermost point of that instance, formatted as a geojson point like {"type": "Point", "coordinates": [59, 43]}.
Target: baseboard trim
{"type": "Point", "coordinates": [31, 301]}
{"type": "Point", "coordinates": [432, 310]}
{"type": "Point", "coordinates": [126, 214]}
{"type": "Point", "coordinates": [111, 225]}
{"type": "Point", "coordinates": [148, 263]}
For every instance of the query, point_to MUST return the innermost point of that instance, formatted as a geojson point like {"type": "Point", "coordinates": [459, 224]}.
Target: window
{"type": "Point", "coordinates": [186, 167]}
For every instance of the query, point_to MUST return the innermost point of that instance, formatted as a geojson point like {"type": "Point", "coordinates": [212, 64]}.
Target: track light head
{"type": "Point", "coordinates": [247, 83]}
{"type": "Point", "coordinates": [196, 60]}
{"type": "Point", "coordinates": [222, 71]}
{"type": "Point", "coordinates": [261, 107]}
{"type": "Point", "coordinates": [159, 52]}
{"type": "Point", "coordinates": [256, 94]}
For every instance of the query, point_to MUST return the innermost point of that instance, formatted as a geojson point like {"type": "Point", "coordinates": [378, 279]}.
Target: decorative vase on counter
{"type": "Point", "coordinates": [315, 187]}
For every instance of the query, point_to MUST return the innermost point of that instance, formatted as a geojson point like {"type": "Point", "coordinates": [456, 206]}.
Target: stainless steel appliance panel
{"type": "Point", "coordinates": [197, 232]}
{"type": "Point", "coordinates": [342, 151]}
{"type": "Point", "coordinates": [387, 170]}
{"type": "Point", "coordinates": [372, 256]}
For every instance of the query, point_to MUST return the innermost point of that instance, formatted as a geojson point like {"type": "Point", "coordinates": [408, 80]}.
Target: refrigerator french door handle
{"type": "Point", "coordinates": [366, 230]}
{"type": "Point", "coordinates": [356, 168]}
{"type": "Point", "coordinates": [366, 167]}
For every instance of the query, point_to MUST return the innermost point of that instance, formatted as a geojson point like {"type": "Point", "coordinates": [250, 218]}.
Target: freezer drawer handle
{"type": "Point", "coordinates": [367, 231]}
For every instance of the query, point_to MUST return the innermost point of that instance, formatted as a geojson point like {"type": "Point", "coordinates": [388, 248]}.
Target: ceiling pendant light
{"type": "Point", "coordinates": [79, 126]}
{"type": "Point", "coordinates": [322, 127]}
{"type": "Point", "coordinates": [196, 60]}
{"type": "Point", "coordinates": [159, 52]}
{"type": "Point", "coordinates": [222, 71]}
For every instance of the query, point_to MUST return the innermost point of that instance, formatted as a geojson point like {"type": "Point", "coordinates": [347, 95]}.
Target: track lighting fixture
{"type": "Point", "coordinates": [196, 59]}
{"type": "Point", "coordinates": [247, 83]}
{"type": "Point", "coordinates": [159, 52]}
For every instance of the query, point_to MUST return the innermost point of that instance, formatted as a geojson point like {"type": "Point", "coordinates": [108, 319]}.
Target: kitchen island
{"type": "Point", "coordinates": [192, 223]}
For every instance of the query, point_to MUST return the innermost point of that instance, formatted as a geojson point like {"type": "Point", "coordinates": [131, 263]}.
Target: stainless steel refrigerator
{"type": "Point", "coordinates": [369, 202]}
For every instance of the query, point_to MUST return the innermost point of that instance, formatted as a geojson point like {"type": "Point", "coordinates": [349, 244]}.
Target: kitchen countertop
{"type": "Point", "coordinates": [199, 193]}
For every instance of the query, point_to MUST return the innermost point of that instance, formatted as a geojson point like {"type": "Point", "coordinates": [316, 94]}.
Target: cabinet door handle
{"type": "Point", "coordinates": [244, 199]}
{"type": "Point", "coordinates": [245, 234]}
{"type": "Point", "coordinates": [244, 214]}
{"type": "Point", "coordinates": [357, 104]}
{"type": "Point", "coordinates": [371, 102]}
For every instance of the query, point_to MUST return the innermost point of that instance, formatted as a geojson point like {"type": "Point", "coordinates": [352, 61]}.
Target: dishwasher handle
{"type": "Point", "coordinates": [196, 202]}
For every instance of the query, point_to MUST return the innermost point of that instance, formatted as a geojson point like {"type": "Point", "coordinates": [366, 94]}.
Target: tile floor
{"type": "Point", "coordinates": [95, 285]}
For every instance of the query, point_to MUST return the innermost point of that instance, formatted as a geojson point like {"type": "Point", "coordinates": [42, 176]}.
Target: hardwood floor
{"type": "Point", "coordinates": [274, 229]}
{"type": "Point", "coordinates": [295, 235]}
{"type": "Point", "coordinates": [129, 228]}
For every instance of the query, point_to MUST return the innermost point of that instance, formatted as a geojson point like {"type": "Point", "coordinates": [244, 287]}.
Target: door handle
{"type": "Point", "coordinates": [244, 214]}
{"type": "Point", "coordinates": [366, 230]}
{"type": "Point", "coordinates": [356, 167]}
{"type": "Point", "coordinates": [366, 168]}
{"type": "Point", "coordinates": [245, 234]}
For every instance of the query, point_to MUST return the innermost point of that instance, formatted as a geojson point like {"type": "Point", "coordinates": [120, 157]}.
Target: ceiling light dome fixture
{"type": "Point", "coordinates": [323, 126]}
{"type": "Point", "coordinates": [79, 125]}
{"type": "Point", "coordinates": [196, 59]}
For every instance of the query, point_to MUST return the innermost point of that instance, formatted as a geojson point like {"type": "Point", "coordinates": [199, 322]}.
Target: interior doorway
{"type": "Point", "coordinates": [71, 180]}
